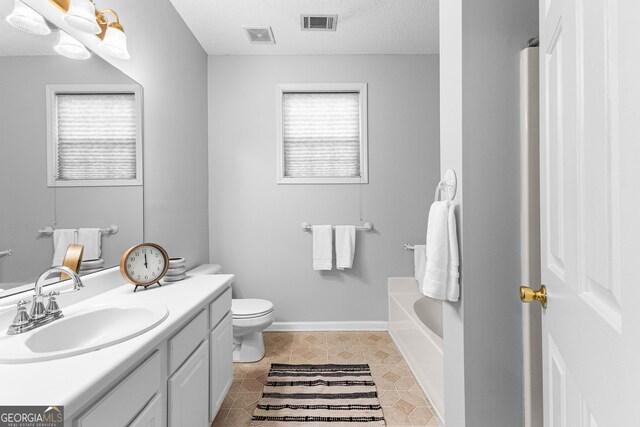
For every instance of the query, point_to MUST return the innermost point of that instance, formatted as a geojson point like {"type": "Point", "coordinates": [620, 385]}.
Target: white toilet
{"type": "Point", "coordinates": [250, 318]}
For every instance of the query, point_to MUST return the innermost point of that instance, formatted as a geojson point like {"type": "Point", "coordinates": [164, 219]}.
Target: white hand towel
{"type": "Point", "coordinates": [322, 247]}
{"type": "Point", "coordinates": [62, 238]}
{"type": "Point", "coordinates": [453, 274]}
{"type": "Point", "coordinates": [419, 262]}
{"type": "Point", "coordinates": [441, 273]}
{"type": "Point", "coordinates": [345, 246]}
{"type": "Point", "coordinates": [91, 239]}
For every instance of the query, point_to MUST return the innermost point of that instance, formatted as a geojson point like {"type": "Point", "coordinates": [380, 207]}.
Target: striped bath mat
{"type": "Point", "coordinates": [318, 395]}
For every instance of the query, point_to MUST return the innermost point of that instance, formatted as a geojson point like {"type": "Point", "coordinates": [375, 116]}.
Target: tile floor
{"type": "Point", "coordinates": [402, 400]}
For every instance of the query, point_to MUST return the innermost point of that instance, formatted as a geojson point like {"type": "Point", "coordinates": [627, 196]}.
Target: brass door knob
{"type": "Point", "coordinates": [528, 295]}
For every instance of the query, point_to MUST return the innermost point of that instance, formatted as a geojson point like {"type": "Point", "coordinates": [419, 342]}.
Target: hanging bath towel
{"type": "Point", "coordinates": [442, 269]}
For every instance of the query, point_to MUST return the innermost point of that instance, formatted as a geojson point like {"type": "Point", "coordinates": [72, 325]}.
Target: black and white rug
{"type": "Point", "coordinates": [319, 395]}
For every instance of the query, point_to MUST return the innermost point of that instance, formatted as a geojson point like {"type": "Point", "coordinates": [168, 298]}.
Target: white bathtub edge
{"type": "Point", "coordinates": [437, 414]}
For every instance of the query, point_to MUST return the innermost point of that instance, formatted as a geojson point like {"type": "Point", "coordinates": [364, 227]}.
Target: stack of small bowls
{"type": "Point", "coordinates": [177, 270]}
{"type": "Point", "coordinates": [89, 266]}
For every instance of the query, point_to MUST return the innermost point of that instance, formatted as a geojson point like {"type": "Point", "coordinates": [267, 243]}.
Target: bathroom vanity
{"type": "Point", "coordinates": [174, 374]}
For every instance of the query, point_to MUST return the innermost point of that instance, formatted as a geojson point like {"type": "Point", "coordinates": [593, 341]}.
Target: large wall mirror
{"type": "Point", "coordinates": [70, 157]}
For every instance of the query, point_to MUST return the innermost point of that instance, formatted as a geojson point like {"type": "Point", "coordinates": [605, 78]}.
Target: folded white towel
{"type": "Point", "coordinates": [322, 247]}
{"type": "Point", "coordinates": [62, 238]}
{"type": "Point", "coordinates": [441, 273]}
{"type": "Point", "coordinates": [91, 239]}
{"type": "Point", "coordinates": [419, 262]}
{"type": "Point", "coordinates": [345, 246]}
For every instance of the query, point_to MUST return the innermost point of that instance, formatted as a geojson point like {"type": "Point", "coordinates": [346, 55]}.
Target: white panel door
{"type": "Point", "coordinates": [590, 211]}
{"type": "Point", "coordinates": [151, 415]}
{"type": "Point", "coordinates": [221, 363]}
{"type": "Point", "coordinates": [189, 391]}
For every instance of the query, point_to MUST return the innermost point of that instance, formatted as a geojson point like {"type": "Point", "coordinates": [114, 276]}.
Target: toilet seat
{"type": "Point", "coordinates": [250, 308]}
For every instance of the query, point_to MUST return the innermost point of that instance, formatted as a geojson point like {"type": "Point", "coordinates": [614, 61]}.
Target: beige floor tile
{"type": "Point", "coordinates": [309, 338]}
{"type": "Point", "coordinates": [403, 401]}
{"type": "Point", "coordinates": [246, 401]}
{"type": "Point", "coordinates": [238, 418]}
{"type": "Point", "coordinates": [394, 416]}
{"type": "Point", "coordinates": [421, 416]}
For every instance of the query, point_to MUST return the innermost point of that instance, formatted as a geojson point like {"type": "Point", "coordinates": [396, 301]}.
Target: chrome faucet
{"type": "Point", "coordinates": [41, 314]}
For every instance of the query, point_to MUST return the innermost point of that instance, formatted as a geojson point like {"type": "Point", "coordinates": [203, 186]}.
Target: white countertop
{"type": "Point", "coordinates": [77, 380]}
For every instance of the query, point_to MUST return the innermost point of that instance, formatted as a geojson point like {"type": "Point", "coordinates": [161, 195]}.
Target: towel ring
{"type": "Point", "coordinates": [448, 184]}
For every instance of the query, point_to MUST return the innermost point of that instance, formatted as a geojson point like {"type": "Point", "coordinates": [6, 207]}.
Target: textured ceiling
{"type": "Point", "coordinates": [14, 42]}
{"type": "Point", "coordinates": [364, 26]}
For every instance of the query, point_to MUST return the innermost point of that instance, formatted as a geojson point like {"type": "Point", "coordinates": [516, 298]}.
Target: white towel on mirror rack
{"type": "Point", "coordinates": [419, 262]}
{"type": "Point", "coordinates": [62, 238]}
{"type": "Point", "coordinates": [442, 266]}
{"type": "Point", "coordinates": [345, 246]}
{"type": "Point", "coordinates": [322, 247]}
{"type": "Point", "coordinates": [91, 239]}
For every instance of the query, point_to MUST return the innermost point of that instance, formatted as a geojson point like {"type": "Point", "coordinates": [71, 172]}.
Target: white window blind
{"type": "Point", "coordinates": [95, 136]}
{"type": "Point", "coordinates": [321, 134]}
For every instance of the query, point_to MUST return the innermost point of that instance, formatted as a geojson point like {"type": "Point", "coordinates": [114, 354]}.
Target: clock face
{"type": "Point", "coordinates": [144, 264]}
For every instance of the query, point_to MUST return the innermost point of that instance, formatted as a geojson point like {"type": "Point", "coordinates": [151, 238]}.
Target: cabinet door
{"type": "Point", "coordinates": [188, 396]}
{"type": "Point", "coordinates": [221, 363]}
{"type": "Point", "coordinates": [151, 415]}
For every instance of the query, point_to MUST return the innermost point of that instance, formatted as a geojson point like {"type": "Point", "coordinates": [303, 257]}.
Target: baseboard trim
{"type": "Point", "coordinates": [328, 326]}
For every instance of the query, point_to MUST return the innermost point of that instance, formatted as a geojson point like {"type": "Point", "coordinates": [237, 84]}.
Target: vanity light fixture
{"type": "Point", "coordinates": [28, 20]}
{"type": "Point", "coordinates": [71, 48]}
{"type": "Point", "coordinates": [114, 42]}
{"type": "Point", "coordinates": [81, 15]}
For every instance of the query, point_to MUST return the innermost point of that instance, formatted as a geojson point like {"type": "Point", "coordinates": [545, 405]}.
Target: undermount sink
{"type": "Point", "coordinates": [81, 331]}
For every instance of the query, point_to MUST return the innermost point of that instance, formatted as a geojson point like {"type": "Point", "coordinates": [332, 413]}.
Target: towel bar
{"type": "Point", "coordinates": [408, 247]}
{"type": "Point", "coordinates": [366, 226]}
{"type": "Point", "coordinates": [48, 230]}
{"type": "Point", "coordinates": [8, 252]}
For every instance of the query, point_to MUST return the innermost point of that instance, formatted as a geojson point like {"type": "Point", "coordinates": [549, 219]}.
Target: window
{"type": "Point", "coordinates": [322, 134]}
{"type": "Point", "coordinates": [94, 135]}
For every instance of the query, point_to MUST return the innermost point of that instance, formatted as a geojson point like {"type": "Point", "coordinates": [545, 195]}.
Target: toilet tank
{"type": "Point", "coordinates": [206, 269]}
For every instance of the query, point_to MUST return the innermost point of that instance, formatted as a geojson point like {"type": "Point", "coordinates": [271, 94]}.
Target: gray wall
{"type": "Point", "coordinates": [480, 45]}
{"type": "Point", "coordinates": [255, 223]}
{"type": "Point", "coordinates": [167, 60]}
{"type": "Point", "coordinates": [26, 203]}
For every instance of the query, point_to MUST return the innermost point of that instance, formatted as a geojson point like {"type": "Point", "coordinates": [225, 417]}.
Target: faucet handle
{"type": "Point", "coordinates": [52, 307]}
{"type": "Point", "coordinates": [22, 318]}
{"type": "Point", "coordinates": [22, 322]}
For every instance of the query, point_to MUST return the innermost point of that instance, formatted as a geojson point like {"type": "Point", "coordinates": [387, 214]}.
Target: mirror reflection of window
{"type": "Point", "coordinates": [97, 156]}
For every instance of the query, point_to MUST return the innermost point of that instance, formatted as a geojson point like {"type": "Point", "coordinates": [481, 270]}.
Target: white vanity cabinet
{"type": "Point", "coordinates": [151, 415]}
{"type": "Point", "coordinates": [180, 382]}
{"type": "Point", "coordinates": [221, 363]}
{"type": "Point", "coordinates": [188, 403]}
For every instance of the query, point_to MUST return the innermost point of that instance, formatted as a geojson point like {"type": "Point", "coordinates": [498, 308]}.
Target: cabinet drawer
{"type": "Point", "coordinates": [127, 399]}
{"type": "Point", "coordinates": [219, 308]}
{"type": "Point", "coordinates": [184, 342]}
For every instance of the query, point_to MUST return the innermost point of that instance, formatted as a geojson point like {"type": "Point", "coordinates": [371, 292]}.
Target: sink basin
{"type": "Point", "coordinates": [81, 331]}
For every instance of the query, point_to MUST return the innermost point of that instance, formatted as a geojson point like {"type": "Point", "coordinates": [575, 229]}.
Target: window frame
{"type": "Point", "coordinates": [361, 88]}
{"type": "Point", "coordinates": [55, 89]}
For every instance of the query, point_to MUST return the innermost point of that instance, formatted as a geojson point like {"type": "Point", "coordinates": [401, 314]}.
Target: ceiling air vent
{"type": "Point", "coordinates": [319, 22]}
{"type": "Point", "coordinates": [260, 35]}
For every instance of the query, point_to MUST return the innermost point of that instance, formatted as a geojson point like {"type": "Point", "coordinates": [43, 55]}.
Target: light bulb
{"type": "Point", "coordinates": [71, 48]}
{"type": "Point", "coordinates": [115, 42]}
{"type": "Point", "coordinates": [28, 20]}
{"type": "Point", "coordinates": [82, 16]}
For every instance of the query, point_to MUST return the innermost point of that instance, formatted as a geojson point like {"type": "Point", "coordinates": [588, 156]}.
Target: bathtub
{"type": "Point", "coordinates": [415, 324]}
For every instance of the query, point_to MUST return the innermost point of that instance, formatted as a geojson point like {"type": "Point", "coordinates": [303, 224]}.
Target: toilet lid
{"type": "Point", "coordinates": [248, 307]}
